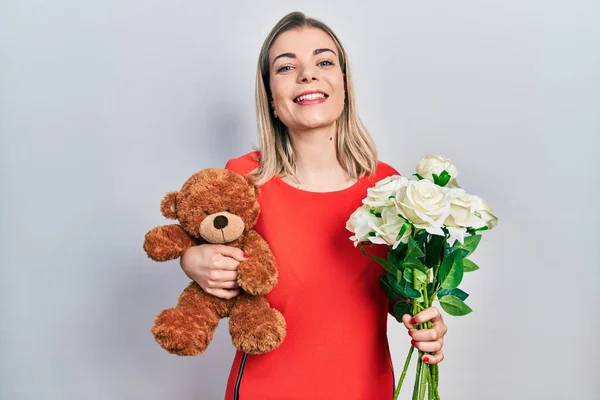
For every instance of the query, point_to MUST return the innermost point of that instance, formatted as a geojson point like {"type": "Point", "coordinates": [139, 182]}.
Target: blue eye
{"type": "Point", "coordinates": [325, 63]}
{"type": "Point", "coordinates": [283, 69]}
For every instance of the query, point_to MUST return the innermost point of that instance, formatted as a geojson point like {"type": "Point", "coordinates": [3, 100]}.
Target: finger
{"type": "Point", "coordinates": [406, 319]}
{"type": "Point", "coordinates": [223, 293]}
{"type": "Point", "coordinates": [434, 358]}
{"type": "Point", "coordinates": [223, 285]}
{"type": "Point", "coordinates": [220, 262]}
{"type": "Point", "coordinates": [428, 347]}
{"type": "Point", "coordinates": [219, 275]}
{"type": "Point", "coordinates": [233, 252]}
{"type": "Point", "coordinates": [428, 335]}
{"type": "Point", "coordinates": [436, 332]}
{"type": "Point", "coordinates": [429, 314]}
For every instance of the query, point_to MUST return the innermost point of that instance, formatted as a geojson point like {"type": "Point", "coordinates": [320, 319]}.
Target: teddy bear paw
{"type": "Point", "coordinates": [180, 334]}
{"type": "Point", "coordinates": [255, 284]}
{"type": "Point", "coordinates": [260, 334]}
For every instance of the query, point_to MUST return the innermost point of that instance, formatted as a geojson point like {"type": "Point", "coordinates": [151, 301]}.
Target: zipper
{"type": "Point", "coordinates": [236, 393]}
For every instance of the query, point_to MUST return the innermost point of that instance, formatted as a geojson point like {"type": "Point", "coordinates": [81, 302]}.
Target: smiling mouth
{"type": "Point", "coordinates": [310, 96]}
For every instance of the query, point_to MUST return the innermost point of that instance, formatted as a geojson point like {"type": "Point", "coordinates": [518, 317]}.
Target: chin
{"type": "Point", "coordinates": [313, 123]}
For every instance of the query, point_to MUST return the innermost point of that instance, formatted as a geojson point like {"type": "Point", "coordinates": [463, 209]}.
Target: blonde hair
{"type": "Point", "coordinates": [356, 151]}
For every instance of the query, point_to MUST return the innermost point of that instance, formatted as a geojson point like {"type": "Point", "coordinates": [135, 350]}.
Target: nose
{"type": "Point", "coordinates": [220, 222]}
{"type": "Point", "coordinates": [307, 74]}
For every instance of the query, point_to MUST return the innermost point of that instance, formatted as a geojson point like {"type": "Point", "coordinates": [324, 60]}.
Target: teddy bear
{"type": "Point", "coordinates": [218, 206]}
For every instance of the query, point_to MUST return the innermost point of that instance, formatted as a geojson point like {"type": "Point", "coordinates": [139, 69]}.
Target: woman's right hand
{"type": "Point", "coordinates": [214, 268]}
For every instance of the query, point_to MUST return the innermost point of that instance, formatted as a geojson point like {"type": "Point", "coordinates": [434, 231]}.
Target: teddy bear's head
{"type": "Point", "coordinates": [214, 204]}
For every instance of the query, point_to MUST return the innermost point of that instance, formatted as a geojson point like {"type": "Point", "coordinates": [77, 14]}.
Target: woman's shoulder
{"type": "Point", "coordinates": [243, 164]}
{"type": "Point", "coordinates": [384, 169]}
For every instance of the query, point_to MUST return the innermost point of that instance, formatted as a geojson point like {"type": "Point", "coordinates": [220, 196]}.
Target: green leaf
{"type": "Point", "coordinates": [471, 243]}
{"type": "Point", "coordinates": [401, 308]}
{"type": "Point", "coordinates": [392, 291]}
{"type": "Point", "coordinates": [414, 250]}
{"type": "Point", "coordinates": [473, 231]}
{"type": "Point", "coordinates": [405, 226]}
{"type": "Point", "coordinates": [377, 214]}
{"type": "Point", "coordinates": [430, 288]}
{"type": "Point", "coordinates": [420, 237]}
{"type": "Point", "coordinates": [414, 263]}
{"type": "Point", "coordinates": [451, 249]}
{"type": "Point", "coordinates": [393, 288]}
{"type": "Point", "coordinates": [469, 266]}
{"type": "Point", "coordinates": [396, 260]}
{"type": "Point", "coordinates": [441, 179]}
{"type": "Point", "coordinates": [454, 306]}
{"type": "Point", "coordinates": [435, 250]}
{"type": "Point", "coordinates": [421, 276]}
{"type": "Point", "coordinates": [454, 292]}
{"type": "Point", "coordinates": [408, 290]}
{"type": "Point", "coordinates": [451, 271]}
{"type": "Point", "coordinates": [419, 177]}
{"type": "Point", "coordinates": [412, 274]}
{"type": "Point", "coordinates": [389, 267]}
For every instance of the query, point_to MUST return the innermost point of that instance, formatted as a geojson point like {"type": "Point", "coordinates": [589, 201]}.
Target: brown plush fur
{"type": "Point", "coordinates": [217, 206]}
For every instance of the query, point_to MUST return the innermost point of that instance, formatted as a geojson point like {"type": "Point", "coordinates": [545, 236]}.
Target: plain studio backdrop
{"type": "Point", "coordinates": [105, 106]}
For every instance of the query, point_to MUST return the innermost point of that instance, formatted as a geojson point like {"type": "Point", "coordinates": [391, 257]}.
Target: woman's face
{"type": "Point", "coordinates": [307, 83]}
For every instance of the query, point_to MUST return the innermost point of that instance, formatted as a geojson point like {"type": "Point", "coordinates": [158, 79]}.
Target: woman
{"type": "Point", "coordinates": [315, 163]}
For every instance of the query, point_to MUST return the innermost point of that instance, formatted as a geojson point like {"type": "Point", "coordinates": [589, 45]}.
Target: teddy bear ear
{"type": "Point", "coordinates": [251, 179]}
{"type": "Point", "coordinates": [167, 205]}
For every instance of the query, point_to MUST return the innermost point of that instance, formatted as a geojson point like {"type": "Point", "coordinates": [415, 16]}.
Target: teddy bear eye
{"type": "Point", "coordinates": [228, 210]}
{"type": "Point", "coordinates": [206, 212]}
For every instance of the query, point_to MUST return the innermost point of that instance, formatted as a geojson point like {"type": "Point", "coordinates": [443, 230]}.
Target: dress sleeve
{"type": "Point", "coordinates": [242, 165]}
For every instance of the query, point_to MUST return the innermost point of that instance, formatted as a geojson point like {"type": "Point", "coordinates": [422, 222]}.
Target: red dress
{"type": "Point", "coordinates": [336, 346]}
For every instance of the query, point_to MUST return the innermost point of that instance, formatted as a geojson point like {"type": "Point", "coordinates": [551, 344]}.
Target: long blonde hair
{"type": "Point", "coordinates": [356, 151]}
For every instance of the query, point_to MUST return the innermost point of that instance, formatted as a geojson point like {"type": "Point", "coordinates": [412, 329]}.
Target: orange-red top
{"type": "Point", "coordinates": [336, 347]}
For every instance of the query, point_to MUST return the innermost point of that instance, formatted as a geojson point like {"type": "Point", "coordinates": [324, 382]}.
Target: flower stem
{"type": "Point", "coordinates": [406, 364]}
{"type": "Point", "coordinates": [435, 381]}
{"type": "Point", "coordinates": [430, 392]}
{"type": "Point", "coordinates": [418, 377]}
{"type": "Point", "coordinates": [424, 380]}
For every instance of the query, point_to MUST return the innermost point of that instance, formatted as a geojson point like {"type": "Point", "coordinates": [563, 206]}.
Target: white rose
{"type": "Point", "coordinates": [434, 164]}
{"type": "Point", "coordinates": [425, 204]}
{"type": "Point", "coordinates": [361, 222]}
{"type": "Point", "coordinates": [461, 214]}
{"type": "Point", "coordinates": [484, 215]}
{"type": "Point", "coordinates": [387, 232]}
{"type": "Point", "coordinates": [378, 196]}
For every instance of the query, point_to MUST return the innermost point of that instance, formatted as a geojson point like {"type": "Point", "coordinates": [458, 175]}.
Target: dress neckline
{"type": "Point", "coordinates": [287, 186]}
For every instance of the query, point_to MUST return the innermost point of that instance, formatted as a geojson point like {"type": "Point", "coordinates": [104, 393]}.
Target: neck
{"type": "Point", "coordinates": [315, 149]}
{"type": "Point", "coordinates": [318, 168]}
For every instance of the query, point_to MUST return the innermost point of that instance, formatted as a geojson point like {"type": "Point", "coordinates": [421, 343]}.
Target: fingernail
{"type": "Point", "coordinates": [413, 342]}
{"type": "Point", "coordinates": [413, 321]}
{"type": "Point", "coordinates": [426, 359]}
{"type": "Point", "coordinates": [246, 255]}
{"type": "Point", "coordinates": [409, 333]}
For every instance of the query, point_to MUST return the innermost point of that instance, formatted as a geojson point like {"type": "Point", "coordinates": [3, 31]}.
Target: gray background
{"type": "Point", "coordinates": [107, 105]}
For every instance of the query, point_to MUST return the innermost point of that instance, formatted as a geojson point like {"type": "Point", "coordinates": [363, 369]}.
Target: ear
{"type": "Point", "coordinates": [167, 206]}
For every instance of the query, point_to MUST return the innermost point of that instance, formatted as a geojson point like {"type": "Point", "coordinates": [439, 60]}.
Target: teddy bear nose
{"type": "Point", "coordinates": [220, 222]}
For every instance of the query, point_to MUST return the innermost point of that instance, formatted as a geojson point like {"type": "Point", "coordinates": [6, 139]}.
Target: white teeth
{"type": "Point", "coordinates": [312, 96]}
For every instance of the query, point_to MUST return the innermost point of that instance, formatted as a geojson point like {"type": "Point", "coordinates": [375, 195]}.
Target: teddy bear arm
{"type": "Point", "coordinates": [167, 242]}
{"type": "Point", "coordinates": [258, 274]}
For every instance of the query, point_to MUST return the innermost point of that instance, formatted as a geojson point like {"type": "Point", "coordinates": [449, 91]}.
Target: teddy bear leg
{"type": "Point", "coordinates": [254, 326]}
{"type": "Point", "coordinates": [189, 327]}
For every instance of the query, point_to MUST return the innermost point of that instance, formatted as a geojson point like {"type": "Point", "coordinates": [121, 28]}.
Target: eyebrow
{"type": "Point", "coordinates": [292, 55]}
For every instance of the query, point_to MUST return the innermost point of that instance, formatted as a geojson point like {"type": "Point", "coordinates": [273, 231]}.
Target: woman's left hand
{"type": "Point", "coordinates": [427, 340]}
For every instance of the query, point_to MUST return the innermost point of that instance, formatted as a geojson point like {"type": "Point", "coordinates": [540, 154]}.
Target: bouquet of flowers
{"type": "Point", "coordinates": [430, 226]}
